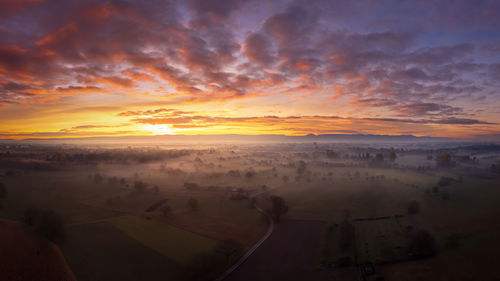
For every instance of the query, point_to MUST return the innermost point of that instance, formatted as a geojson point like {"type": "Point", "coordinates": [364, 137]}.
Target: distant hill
{"type": "Point", "coordinates": [185, 139]}
{"type": "Point", "coordinates": [359, 137]}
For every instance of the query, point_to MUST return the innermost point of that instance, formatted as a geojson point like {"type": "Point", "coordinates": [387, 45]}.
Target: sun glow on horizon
{"type": "Point", "coordinates": [162, 129]}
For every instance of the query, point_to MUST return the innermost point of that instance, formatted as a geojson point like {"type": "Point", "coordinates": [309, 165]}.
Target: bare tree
{"type": "Point", "coordinates": [46, 223]}
{"type": "Point", "coordinates": [278, 208]}
{"type": "Point", "coordinates": [301, 167]}
{"type": "Point", "coordinates": [193, 204]}
{"type": "Point", "coordinates": [98, 178]}
{"type": "Point", "coordinates": [443, 160]}
{"type": "Point", "coordinates": [3, 190]}
{"type": "Point", "coordinates": [166, 211]}
{"type": "Point", "coordinates": [285, 178]}
{"type": "Point", "coordinates": [140, 186]}
{"type": "Point", "coordinates": [51, 226]}
{"type": "Point", "coordinates": [31, 216]}
{"type": "Point", "coordinates": [249, 175]}
{"type": "Point", "coordinates": [392, 156]}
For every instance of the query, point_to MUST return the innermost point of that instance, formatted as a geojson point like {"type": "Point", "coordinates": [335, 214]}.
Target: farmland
{"type": "Point", "coordinates": [381, 240]}
{"type": "Point", "coordinates": [191, 214]}
{"type": "Point", "coordinates": [288, 254]}
{"type": "Point", "coordinates": [174, 243]}
{"type": "Point", "coordinates": [101, 251]}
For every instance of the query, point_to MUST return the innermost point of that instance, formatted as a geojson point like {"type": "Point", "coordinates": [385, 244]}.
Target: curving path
{"type": "Point", "coordinates": [289, 254]}
{"type": "Point", "coordinates": [254, 247]}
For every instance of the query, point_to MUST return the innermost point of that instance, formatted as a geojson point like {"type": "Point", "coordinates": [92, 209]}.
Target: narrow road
{"type": "Point", "coordinates": [257, 245]}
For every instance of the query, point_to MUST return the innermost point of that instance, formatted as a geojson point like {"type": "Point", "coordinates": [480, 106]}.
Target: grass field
{"type": "Point", "coordinates": [101, 234]}
{"type": "Point", "coordinates": [464, 220]}
{"type": "Point", "coordinates": [331, 252]}
{"type": "Point", "coordinates": [70, 193]}
{"type": "Point", "coordinates": [178, 245]}
{"type": "Point", "coordinates": [362, 197]}
{"type": "Point", "coordinates": [110, 231]}
{"type": "Point", "coordinates": [101, 251]}
{"type": "Point", "coordinates": [382, 240]}
{"type": "Point", "coordinates": [474, 258]}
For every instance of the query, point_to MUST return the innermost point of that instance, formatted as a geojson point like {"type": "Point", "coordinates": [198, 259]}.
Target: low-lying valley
{"type": "Point", "coordinates": [328, 211]}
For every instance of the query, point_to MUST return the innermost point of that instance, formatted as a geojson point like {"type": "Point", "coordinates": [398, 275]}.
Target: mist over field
{"type": "Point", "coordinates": [249, 140]}
{"type": "Point", "coordinates": [276, 210]}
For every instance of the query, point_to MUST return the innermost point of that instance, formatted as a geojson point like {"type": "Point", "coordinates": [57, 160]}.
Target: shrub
{"type": "Point", "coordinates": [140, 186]}
{"type": "Point", "coordinates": [3, 190]}
{"type": "Point", "coordinates": [193, 204]}
{"type": "Point", "coordinates": [46, 223]}
{"type": "Point", "coordinates": [413, 208]}
{"type": "Point", "coordinates": [190, 186]}
{"type": "Point", "coordinates": [166, 211]}
{"type": "Point", "coordinates": [31, 216]}
{"type": "Point", "coordinates": [51, 226]}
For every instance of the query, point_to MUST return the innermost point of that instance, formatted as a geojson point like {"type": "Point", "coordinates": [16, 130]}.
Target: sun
{"type": "Point", "coordinates": [162, 129]}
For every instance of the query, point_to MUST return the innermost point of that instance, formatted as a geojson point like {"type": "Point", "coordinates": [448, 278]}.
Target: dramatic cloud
{"type": "Point", "coordinates": [257, 48]}
{"type": "Point", "coordinates": [433, 63]}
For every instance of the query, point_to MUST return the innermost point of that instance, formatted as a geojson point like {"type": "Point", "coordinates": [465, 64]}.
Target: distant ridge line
{"type": "Point", "coordinates": [239, 137]}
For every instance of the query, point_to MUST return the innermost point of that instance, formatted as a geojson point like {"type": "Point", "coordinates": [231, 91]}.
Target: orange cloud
{"type": "Point", "coordinates": [139, 76]}
{"type": "Point", "coordinates": [304, 65]}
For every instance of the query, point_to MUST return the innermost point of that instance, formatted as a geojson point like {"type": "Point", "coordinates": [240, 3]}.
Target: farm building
{"type": "Point", "coordinates": [239, 194]}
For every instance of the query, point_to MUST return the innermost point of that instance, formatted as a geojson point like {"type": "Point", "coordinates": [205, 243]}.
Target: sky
{"type": "Point", "coordinates": [74, 68]}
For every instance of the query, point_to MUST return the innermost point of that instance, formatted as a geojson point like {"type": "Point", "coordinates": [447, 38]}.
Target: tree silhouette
{"type": "Point", "coordinates": [301, 167]}
{"type": "Point", "coordinates": [443, 160]}
{"type": "Point", "coordinates": [278, 208]}
{"type": "Point", "coordinates": [193, 204]}
{"type": "Point", "coordinates": [166, 211]}
{"type": "Point", "coordinates": [3, 190]}
{"type": "Point", "coordinates": [31, 216]}
{"type": "Point", "coordinates": [392, 156]}
{"type": "Point", "coordinates": [140, 186]}
{"type": "Point", "coordinates": [46, 223]}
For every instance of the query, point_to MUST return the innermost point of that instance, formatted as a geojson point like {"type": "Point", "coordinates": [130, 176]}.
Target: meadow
{"type": "Point", "coordinates": [189, 213]}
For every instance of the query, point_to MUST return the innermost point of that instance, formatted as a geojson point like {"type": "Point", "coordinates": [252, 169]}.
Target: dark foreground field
{"type": "Point", "coordinates": [100, 251]}
{"type": "Point", "coordinates": [25, 256]}
{"type": "Point", "coordinates": [288, 254]}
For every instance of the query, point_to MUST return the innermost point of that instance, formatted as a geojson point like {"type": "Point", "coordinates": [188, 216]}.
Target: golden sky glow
{"type": "Point", "coordinates": [84, 68]}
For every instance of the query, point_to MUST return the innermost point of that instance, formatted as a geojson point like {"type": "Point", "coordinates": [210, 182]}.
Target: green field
{"type": "Point", "coordinates": [381, 240]}
{"type": "Point", "coordinates": [101, 251]}
{"type": "Point", "coordinates": [109, 230]}
{"type": "Point", "coordinates": [106, 240]}
{"type": "Point", "coordinates": [463, 224]}
{"type": "Point", "coordinates": [178, 245]}
{"type": "Point", "coordinates": [362, 197]}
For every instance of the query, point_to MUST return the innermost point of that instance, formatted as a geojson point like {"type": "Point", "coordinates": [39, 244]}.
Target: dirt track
{"type": "Point", "coordinates": [288, 254]}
